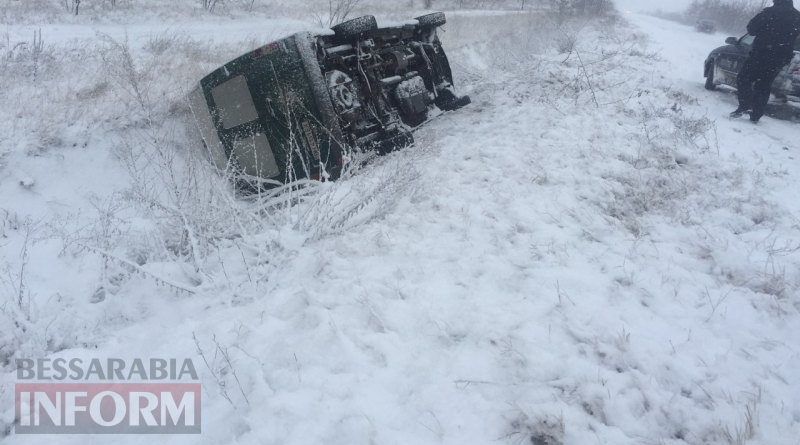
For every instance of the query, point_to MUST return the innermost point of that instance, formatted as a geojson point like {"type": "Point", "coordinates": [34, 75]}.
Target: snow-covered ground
{"type": "Point", "coordinates": [589, 253]}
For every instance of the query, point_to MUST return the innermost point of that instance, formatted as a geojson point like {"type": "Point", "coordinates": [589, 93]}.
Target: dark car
{"type": "Point", "coordinates": [295, 108]}
{"type": "Point", "coordinates": [723, 65]}
{"type": "Point", "coordinates": [705, 25]}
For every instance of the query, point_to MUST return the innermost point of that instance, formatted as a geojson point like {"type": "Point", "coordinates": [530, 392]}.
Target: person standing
{"type": "Point", "coordinates": [775, 30]}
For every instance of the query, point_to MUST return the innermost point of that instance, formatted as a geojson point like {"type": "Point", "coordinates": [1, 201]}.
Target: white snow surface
{"type": "Point", "coordinates": [591, 252]}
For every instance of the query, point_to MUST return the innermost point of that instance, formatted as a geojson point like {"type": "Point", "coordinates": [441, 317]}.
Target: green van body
{"type": "Point", "coordinates": [265, 119]}
{"type": "Point", "coordinates": [292, 108]}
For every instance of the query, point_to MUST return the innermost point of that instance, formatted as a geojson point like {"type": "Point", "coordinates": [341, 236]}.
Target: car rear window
{"type": "Point", "coordinates": [234, 102]}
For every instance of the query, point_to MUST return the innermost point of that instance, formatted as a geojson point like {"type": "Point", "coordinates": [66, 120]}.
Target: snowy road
{"type": "Point", "coordinates": [775, 141]}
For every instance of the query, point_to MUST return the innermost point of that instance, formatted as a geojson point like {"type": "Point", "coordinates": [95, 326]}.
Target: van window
{"type": "Point", "coordinates": [255, 156]}
{"type": "Point", "coordinates": [234, 102]}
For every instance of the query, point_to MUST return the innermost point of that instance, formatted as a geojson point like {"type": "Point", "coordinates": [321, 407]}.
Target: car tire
{"type": "Point", "coordinates": [710, 86]}
{"type": "Point", "coordinates": [433, 19]}
{"type": "Point", "coordinates": [356, 27]}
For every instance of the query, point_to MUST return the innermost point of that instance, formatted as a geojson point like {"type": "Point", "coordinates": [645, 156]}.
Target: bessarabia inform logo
{"type": "Point", "coordinates": [107, 396]}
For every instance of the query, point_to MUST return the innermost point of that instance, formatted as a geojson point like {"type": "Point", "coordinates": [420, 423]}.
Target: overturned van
{"type": "Point", "coordinates": [292, 109]}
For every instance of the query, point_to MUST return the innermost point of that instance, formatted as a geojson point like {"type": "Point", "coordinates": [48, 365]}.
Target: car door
{"type": "Point", "coordinates": [262, 108]}
{"type": "Point", "coordinates": [788, 80]}
{"type": "Point", "coordinates": [240, 126]}
{"type": "Point", "coordinates": [730, 61]}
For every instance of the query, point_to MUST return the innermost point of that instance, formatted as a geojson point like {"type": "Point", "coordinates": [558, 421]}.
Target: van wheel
{"type": "Point", "coordinates": [356, 27]}
{"type": "Point", "coordinates": [433, 19]}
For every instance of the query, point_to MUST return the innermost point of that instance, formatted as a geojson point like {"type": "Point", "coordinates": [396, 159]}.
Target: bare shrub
{"type": "Point", "coordinates": [564, 9]}
{"type": "Point", "coordinates": [72, 6]}
{"type": "Point", "coordinates": [538, 430]}
{"type": "Point", "coordinates": [593, 8]}
{"type": "Point", "coordinates": [16, 306]}
{"type": "Point", "coordinates": [746, 431]}
{"type": "Point", "coordinates": [192, 207]}
{"type": "Point", "coordinates": [337, 11]}
{"type": "Point", "coordinates": [210, 5]}
{"type": "Point", "coordinates": [659, 180]}
{"type": "Point", "coordinates": [730, 15]}
{"type": "Point", "coordinates": [25, 58]}
{"type": "Point", "coordinates": [223, 370]}
{"type": "Point", "coordinates": [565, 43]}
{"type": "Point", "coordinates": [359, 199]}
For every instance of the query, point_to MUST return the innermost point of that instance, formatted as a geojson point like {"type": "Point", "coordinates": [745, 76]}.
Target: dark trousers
{"type": "Point", "coordinates": [754, 83]}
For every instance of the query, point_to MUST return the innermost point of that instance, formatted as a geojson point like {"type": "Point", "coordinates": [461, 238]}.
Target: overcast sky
{"type": "Point", "coordinates": [671, 5]}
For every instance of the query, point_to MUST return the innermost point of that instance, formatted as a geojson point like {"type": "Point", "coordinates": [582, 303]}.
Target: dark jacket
{"type": "Point", "coordinates": [775, 28]}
